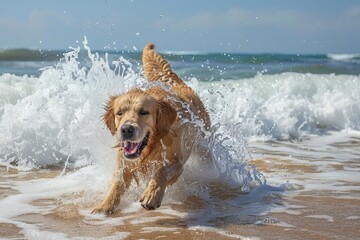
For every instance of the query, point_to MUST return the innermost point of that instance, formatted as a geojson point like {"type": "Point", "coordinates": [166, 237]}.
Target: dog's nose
{"type": "Point", "coordinates": [127, 131]}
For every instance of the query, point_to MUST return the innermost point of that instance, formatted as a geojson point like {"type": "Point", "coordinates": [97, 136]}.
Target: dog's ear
{"type": "Point", "coordinates": [166, 116]}
{"type": "Point", "coordinates": [109, 116]}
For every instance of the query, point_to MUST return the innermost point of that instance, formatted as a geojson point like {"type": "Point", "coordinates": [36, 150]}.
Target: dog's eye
{"type": "Point", "coordinates": [143, 112]}
{"type": "Point", "coordinates": [119, 113]}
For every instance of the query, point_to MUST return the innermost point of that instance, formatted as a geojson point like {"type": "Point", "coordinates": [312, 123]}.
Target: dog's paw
{"type": "Point", "coordinates": [102, 209]}
{"type": "Point", "coordinates": [152, 196]}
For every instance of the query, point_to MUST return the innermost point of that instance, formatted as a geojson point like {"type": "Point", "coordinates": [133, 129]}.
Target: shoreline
{"type": "Point", "coordinates": [297, 213]}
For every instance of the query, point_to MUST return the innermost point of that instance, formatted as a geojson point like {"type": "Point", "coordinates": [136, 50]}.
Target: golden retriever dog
{"type": "Point", "coordinates": [156, 130]}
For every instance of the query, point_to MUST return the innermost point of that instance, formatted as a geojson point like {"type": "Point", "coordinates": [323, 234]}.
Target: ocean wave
{"type": "Point", "coordinates": [287, 105]}
{"type": "Point", "coordinates": [54, 119]}
{"type": "Point", "coordinates": [201, 65]}
{"type": "Point", "coordinates": [343, 57]}
{"type": "Point", "coordinates": [51, 119]}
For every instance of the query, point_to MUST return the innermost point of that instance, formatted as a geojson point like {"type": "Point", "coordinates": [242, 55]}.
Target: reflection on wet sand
{"type": "Point", "coordinates": [311, 200]}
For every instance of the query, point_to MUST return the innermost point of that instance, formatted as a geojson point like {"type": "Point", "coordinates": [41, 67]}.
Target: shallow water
{"type": "Point", "coordinates": [286, 147]}
{"type": "Point", "coordinates": [312, 192]}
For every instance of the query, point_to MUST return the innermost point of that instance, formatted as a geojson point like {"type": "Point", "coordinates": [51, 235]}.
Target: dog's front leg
{"type": "Point", "coordinates": [113, 198]}
{"type": "Point", "coordinates": [154, 192]}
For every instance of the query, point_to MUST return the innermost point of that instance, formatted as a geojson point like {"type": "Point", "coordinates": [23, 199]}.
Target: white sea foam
{"type": "Point", "coordinates": [324, 217]}
{"type": "Point", "coordinates": [343, 57]}
{"type": "Point", "coordinates": [288, 105]}
{"type": "Point", "coordinates": [222, 233]}
{"type": "Point", "coordinates": [321, 164]}
{"type": "Point", "coordinates": [54, 119]}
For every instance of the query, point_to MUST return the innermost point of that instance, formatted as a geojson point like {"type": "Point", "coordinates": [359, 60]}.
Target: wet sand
{"type": "Point", "coordinates": [313, 217]}
{"type": "Point", "coordinates": [299, 212]}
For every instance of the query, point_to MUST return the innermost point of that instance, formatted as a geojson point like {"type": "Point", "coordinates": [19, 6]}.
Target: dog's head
{"type": "Point", "coordinates": [139, 121]}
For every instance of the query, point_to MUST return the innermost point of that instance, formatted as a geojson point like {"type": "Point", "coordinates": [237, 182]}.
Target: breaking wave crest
{"type": "Point", "coordinates": [54, 120]}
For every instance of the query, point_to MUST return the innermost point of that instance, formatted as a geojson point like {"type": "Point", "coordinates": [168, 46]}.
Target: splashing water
{"type": "Point", "coordinates": [50, 126]}
{"type": "Point", "coordinates": [54, 120]}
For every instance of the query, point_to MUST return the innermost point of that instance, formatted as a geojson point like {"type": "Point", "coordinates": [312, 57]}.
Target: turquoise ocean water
{"type": "Point", "coordinates": [203, 66]}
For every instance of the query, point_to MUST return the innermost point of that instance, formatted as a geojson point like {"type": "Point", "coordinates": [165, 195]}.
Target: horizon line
{"type": "Point", "coordinates": [166, 52]}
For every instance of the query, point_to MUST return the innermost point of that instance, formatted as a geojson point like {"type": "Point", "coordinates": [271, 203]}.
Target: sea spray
{"type": "Point", "coordinates": [285, 106]}
{"type": "Point", "coordinates": [55, 119]}
{"type": "Point", "coordinates": [316, 116]}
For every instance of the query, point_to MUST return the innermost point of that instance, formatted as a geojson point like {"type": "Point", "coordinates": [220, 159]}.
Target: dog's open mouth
{"type": "Point", "coordinates": [133, 149]}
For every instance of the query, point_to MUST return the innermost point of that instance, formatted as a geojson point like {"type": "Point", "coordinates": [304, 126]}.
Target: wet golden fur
{"type": "Point", "coordinates": [159, 114]}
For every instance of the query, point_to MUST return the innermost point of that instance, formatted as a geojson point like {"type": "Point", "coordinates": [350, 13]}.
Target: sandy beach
{"type": "Point", "coordinates": [318, 198]}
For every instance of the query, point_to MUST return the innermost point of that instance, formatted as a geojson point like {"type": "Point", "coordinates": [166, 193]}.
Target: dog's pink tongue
{"type": "Point", "coordinates": [131, 147]}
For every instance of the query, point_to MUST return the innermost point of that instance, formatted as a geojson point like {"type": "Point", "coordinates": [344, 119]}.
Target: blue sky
{"type": "Point", "coordinates": [263, 26]}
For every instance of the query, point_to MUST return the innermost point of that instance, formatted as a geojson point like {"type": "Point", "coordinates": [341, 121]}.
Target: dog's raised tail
{"type": "Point", "coordinates": [156, 67]}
